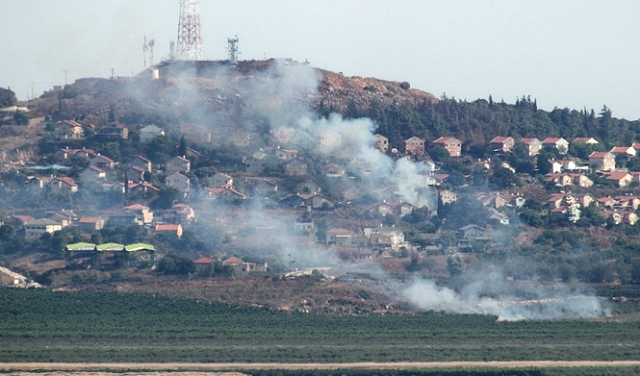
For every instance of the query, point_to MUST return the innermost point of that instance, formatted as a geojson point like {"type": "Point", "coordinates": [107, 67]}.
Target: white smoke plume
{"type": "Point", "coordinates": [280, 95]}
{"type": "Point", "coordinates": [490, 294]}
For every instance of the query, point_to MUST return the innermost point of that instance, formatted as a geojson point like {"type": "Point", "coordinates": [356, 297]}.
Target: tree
{"type": "Point", "coordinates": [7, 98]}
{"type": "Point", "coordinates": [504, 178]}
{"type": "Point", "coordinates": [20, 118]}
{"type": "Point", "coordinates": [166, 198]}
{"type": "Point", "coordinates": [455, 265]}
{"type": "Point", "coordinates": [544, 166]}
{"type": "Point", "coordinates": [177, 265]}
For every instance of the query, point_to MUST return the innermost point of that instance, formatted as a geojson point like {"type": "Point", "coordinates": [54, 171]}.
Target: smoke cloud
{"type": "Point", "coordinates": [280, 96]}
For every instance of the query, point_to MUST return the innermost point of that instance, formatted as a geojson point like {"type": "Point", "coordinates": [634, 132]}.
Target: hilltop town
{"type": "Point", "coordinates": [229, 176]}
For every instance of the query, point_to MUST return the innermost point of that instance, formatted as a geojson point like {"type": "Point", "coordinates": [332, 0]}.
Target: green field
{"type": "Point", "coordinates": [45, 326]}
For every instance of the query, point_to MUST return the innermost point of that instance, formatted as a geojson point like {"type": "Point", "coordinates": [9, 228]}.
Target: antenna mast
{"type": "Point", "coordinates": [151, 43]}
{"type": "Point", "coordinates": [232, 48]}
{"type": "Point", "coordinates": [189, 39]}
{"type": "Point", "coordinates": [145, 48]}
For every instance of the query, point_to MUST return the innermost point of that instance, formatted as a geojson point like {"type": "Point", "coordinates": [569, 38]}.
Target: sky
{"type": "Point", "coordinates": [572, 53]}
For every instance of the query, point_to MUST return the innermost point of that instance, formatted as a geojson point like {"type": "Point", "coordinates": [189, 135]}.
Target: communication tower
{"type": "Point", "coordinates": [151, 44]}
{"type": "Point", "coordinates": [145, 48]}
{"type": "Point", "coordinates": [232, 49]}
{"type": "Point", "coordinates": [189, 39]}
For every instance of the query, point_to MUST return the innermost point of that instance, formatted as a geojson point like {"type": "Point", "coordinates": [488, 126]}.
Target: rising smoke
{"type": "Point", "coordinates": [280, 95]}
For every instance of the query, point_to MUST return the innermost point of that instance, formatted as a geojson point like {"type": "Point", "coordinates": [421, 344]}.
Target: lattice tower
{"type": "Point", "coordinates": [189, 39]}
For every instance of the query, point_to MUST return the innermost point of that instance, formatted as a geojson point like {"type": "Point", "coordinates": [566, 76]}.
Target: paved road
{"type": "Point", "coordinates": [203, 367]}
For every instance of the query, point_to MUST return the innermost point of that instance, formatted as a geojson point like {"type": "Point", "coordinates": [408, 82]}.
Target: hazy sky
{"type": "Point", "coordinates": [572, 53]}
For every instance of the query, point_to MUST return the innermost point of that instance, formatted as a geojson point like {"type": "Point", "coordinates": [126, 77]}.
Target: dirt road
{"type": "Point", "coordinates": [199, 369]}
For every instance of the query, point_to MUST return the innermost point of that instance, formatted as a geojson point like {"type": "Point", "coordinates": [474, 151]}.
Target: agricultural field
{"type": "Point", "coordinates": [45, 326]}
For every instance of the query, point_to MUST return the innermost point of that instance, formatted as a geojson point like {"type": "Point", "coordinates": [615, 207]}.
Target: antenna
{"type": "Point", "coordinates": [151, 43]}
{"type": "Point", "coordinates": [232, 49]}
{"type": "Point", "coordinates": [189, 39]}
{"type": "Point", "coordinates": [145, 48]}
{"type": "Point", "coordinates": [172, 50]}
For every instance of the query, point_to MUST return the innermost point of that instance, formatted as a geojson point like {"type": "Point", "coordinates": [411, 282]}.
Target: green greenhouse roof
{"type": "Point", "coordinates": [110, 247]}
{"type": "Point", "coordinates": [139, 247]}
{"type": "Point", "coordinates": [82, 246]}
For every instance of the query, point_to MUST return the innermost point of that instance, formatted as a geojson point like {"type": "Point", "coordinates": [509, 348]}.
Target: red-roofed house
{"type": "Point", "coordinates": [602, 160]}
{"type": "Point", "coordinates": [585, 141]}
{"type": "Point", "coordinates": [286, 154]}
{"type": "Point", "coordinates": [452, 144]}
{"type": "Point", "coordinates": [203, 264]}
{"type": "Point", "coordinates": [63, 185]}
{"type": "Point", "coordinates": [502, 143]}
{"type": "Point", "coordinates": [624, 150]}
{"type": "Point", "coordinates": [339, 236]}
{"type": "Point", "coordinates": [90, 224]}
{"type": "Point", "coordinates": [240, 266]}
{"type": "Point", "coordinates": [533, 145]}
{"type": "Point", "coordinates": [71, 129]}
{"type": "Point", "coordinates": [414, 145]}
{"type": "Point", "coordinates": [141, 162]}
{"type": "Point", "coordinates": [620, 178]}
{"type": "Point", "coordinates": [558, 143]}
{"type": "Point", "coordinates": [169, 228]}
{"type": "Point", "coordinates": [142, 211]}
{"type": "Point", "coordinates": [225, 192]}
{"type": "Point", "coordinates": [220, 179]}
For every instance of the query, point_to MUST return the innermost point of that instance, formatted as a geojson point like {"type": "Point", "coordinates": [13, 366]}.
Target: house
{"type": "Point", "coordinates": [304, 224]}
{"type": "Point", "coordinates": [264, 186]}
{"type": "Point", "coordinates": [67, 154]}
{"type": "Point", "coordinates": [533, 145]}
{"type": "Point", "coordinates": [502, 143]}
{"type": "Point", "coordinates": [102, 162]}
{"type": "Point", "coordinates": [286, 154]}
{"type": "Point", "coordinates": [474, 232]}
{"type": "Point", "coordinates": [89, 225]}
{"type": "Point", "coordinates": [124, 218]}
{"type": "Point", "coordinates": [178, 181]}
{"type": "Point", "coordinates": [557, 143]}
{"type": "Point", "coordinates": [560, 180]}
{"type": "Point", "coordinates": [382, 143]}
{"type": "Point", "coordinates": [257, 162]}
{"type": "Point", "coordinates": [140, 188]}
{"type": "Point", "coordinates": [169, 229]}
{"type": "Point", "coordinates": [607, 202]}
{"type": "Point", "coordinates": [380, 208]}
{"type": "Point", "coordinates": [203, 264]}
{"type": "Point", "coordinates": [452, 144]}
{"type": "Point", "coordinates": [179, 213]}
{"type": "Point", "coordinates": [70, 129]}
{"type": "Point", "coordinates": [225, 192]}
{"type": "Point", "coordinates": [620, 178]}
{"type": "Point", "coordinates": [92, 175]}
{"type": "Point", "coordinates": [134, 174]}
{"type": "Point", "coordinates": [195, 133]}
{"type": "Point", "coordinates": [141, 162]}
{"type": "Point", "coordinates": [177, 164]}
{"type": "Point", "coordinates": [61, 185]}
{"type": "Point", "coordinates": [295, 167]}
{"type": "Point", "coordinates": [585, 141]}
{"type": "Point", "coordinates": [64, 217]}
{"type": "Point", "coordinates": [628, 202]}
{"type": "Point", "coordinates": [339, 236]}
{"type": "Point", "coordinates": [239, 266]}
{"type": "Point", "coordinates": [402, 208]}
{"type": "Point", "coordinates": [309, 186]}
{"type": "Point", "coordinates": [447, 196]}
{"type": "Point", "coordinates": [11, 278]}
{"type": "Point", "coordinates": [333, 170]}
{"type": "Point", "coordinates": [581, 180]}
{"type": "Point", "coordinates": [602, 161]}
{"type": "Point", "coordinates": [220, 179]}
{"type": "Point", "coordinates": [38, 227]}
{"type": "Point", "coordinates": [627, 151]}
{"type": "Point", "coordinates": [141, 211]}
{"type": "Point", "coordinates": [37, 184]}
{"type": "Point", "coordinates": [414, 146]}
{"type": "Point", "coordinates": [149, 132]}
{"type": "Point", "coordinates": [114, 130]}
{"type": "Point", "coordinates": [306, 200]}
{"type": "Point", "coordinates": [385, 236]}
